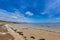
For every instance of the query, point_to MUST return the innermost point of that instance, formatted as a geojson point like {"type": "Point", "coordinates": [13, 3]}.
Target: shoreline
{"type": "Point", "coordinates": [24, 32]}
{"type": "Point", "coordinates": [47, 33]}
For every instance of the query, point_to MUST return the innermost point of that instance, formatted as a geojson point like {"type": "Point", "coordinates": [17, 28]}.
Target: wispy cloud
{"type": "Point", "coordinates": [13, 16]}
{"type": "Point", "coordinates": [52, 8]}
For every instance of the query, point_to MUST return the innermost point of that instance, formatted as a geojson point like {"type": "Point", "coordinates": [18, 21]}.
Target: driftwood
{"type": "Point", "coordinates": [32, 37]}
{"type": "Point", "coordinates": [21, 33]}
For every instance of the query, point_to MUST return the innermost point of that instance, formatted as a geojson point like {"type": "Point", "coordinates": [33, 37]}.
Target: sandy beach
{"type": "Point", "coordinates": [27, 32]}
{"type": "Point", "coordinates": [24, 32]}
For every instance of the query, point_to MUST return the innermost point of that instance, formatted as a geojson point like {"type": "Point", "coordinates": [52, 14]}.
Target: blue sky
{"type": "Point", "coordinates": [35, 11]}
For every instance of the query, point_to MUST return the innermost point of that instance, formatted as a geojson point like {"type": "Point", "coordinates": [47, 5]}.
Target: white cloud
{"type": "Point", "coordinates": [29, 13]}
{"type": "Point", "coordinates": [57, 18]}
{"type": "Point", "coordinates": [52, 8]}
{"type": "Point", "coordinates": [13, 16]}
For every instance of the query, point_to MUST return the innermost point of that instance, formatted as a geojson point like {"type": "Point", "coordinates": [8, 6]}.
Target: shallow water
{"type": "Point", "coordinates": [54, 25]}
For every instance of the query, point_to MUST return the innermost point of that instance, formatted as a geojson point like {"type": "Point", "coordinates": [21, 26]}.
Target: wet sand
{"type": "Point", "coordinates": [26, 32]}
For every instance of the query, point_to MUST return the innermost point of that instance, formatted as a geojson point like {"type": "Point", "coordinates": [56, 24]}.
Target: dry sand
{"type": "Point", "coordinates": [26, 32]}
{"type": "Point", "coordinates": [4, 35]}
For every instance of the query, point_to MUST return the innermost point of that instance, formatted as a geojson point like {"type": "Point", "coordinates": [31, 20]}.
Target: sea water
{"type": "Point", "coordinates": [54, 25]}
